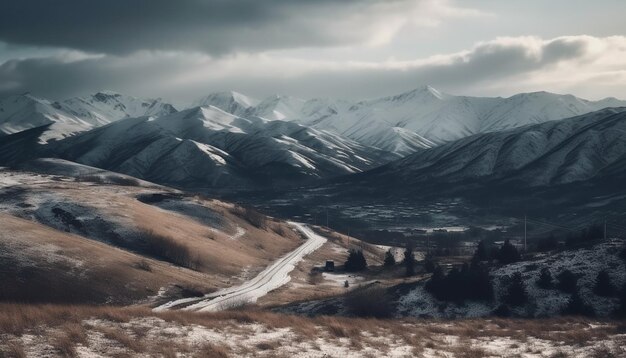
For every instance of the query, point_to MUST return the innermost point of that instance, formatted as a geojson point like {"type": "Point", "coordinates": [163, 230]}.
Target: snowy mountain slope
{"type": "Point", "coordinates": [421, 118]}
{"type": "Point", "coordinates": [23, 112]}
{"type": "Point", "coordinates": [106, 106]}
{"type": "Point", "coordinates": [66, 118]}
{"type": "Point", "coordinates": [207, 147]}
{"type": "Point", "coordinates": [279, 108]}
{"type": "Point", "coordinates": [231, 102]}
{"type": "Point", "coordinates": [556, 152]}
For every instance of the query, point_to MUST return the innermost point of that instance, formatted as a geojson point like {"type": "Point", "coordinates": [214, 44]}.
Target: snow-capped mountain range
{"type": "Point", "coordinates": [74, 115]}
{"type": "Point", "coordinates": [205, 147]}
{"type": "Point", "coordinates": [422, 118]}
{"type": "Point", "coordinates": [556, 152]}
{"type": "Point", "coordinates": [232, 140]}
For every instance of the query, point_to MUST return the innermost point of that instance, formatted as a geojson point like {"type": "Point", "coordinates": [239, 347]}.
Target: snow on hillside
{"type": "Point", "coordinates": [75, 115]}
{"type": "Point", "coordinates": [555, 152]}
{"type": "Point", "coordinates": [279, 108]}
{"type": "Point", "coordinates": [414, 120]}
{"type": "Point", "coordinates": [208, 147]}
{"type": "Point", "coordinates": [231, 102]}
{"type": "Point", "coordinates": [583, 262]}
{"type": "Point", "coordinates": [22, 112]}
{"type": "Point", "coordinates": [106, 106]}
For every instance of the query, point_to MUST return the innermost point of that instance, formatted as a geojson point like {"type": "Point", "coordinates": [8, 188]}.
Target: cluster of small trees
{"type": "Point", "coordinates": [551, 242]}
{"type": "Point", "coordinates": [515, 293]}
{"type": "Point", "coordinates": [408, 261]}
{"type": "Point", "coordinates": [472, 282]}
{"type": "Point", "coordinates": [568, 282]}
{"type": "Point", "coordinates": [506, 254]}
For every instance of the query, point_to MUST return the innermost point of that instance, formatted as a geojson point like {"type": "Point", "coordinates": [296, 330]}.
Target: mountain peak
{"type": "Point", "coordinates": [424, 92]}
{"type": "Point", "coordinates": [104, 96]}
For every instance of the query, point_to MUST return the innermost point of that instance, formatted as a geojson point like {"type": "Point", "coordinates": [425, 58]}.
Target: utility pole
{"type": "Point", "coordinates": [525, 233]}
{"type": "Point", "coordinates": [605, 229]}
{"type": "Point", "coordinates": [327, 218]}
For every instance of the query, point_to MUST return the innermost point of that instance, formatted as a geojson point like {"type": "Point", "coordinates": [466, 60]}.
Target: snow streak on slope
{"type": "Point", "coordinates": [270, 279]}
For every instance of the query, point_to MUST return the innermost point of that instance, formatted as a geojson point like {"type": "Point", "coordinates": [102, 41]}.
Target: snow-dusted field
{"type": "Point", "coordinates": [104, 332]}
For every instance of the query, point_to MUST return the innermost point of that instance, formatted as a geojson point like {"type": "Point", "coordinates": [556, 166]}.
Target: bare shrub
{"type": "Point", "coordinates": [143, 265]}
{"type": "Point", "coordinates": [75, 332]}
{"type": "Point", "coordinates": [369, 302]}
{"type": "Point", "coordinates": [122, 337]}
{"type": "Point", "coordinates": [169, 249]}
{"type": "Point", "coordinates": [279, 230]}
{"type": "Point", "coordinates": [315, 278]}
{"type": "Point", "coordinates": [339, 329]}
{"type": "Point", "coordinates": [63, 345]}
{"type": "Point", "coordinates": [122, 180]}
{"type": "Point", "coordinates": [268, 345]}
{"type": "Point", "coordinates": [252, 216]}
{"type": "Point", "coordinates": [209, 350]}
{"type": "Point", "coordinates": [14, 349]}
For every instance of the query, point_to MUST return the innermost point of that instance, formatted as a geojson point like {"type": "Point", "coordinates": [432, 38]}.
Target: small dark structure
{"type": "Point", "coordinates": [330, 266]}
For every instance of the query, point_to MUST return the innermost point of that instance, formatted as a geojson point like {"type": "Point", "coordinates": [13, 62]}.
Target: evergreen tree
{"type": "Point", "coordinates": [545, 278]}
{"type": "Point", "coordinates": [508, 253]}
{"type": "Point", "coordinates": [547, 244]}
{"type": "Point", "coordinates": [577, 307]}
{"type": "Point", "coordinates": [429, 263]}
{"type": "Point", "coordinates": [409, 260]}
{"type": "Point", "coordinates": [390, 260]}
{"type": "Point", "coordinates": [469, 283]}
{"type": "Point", "coordinates": [567, 281]}
{"type": "Point", "coordinates": [621, 309]}
{"type": "Point", "coordinates": [603, 286]}
{"type": "Point", "coordinates": [481, 253]}
{"type": "Point", "coordinates": [356, 261]}
{"type": "Point", "coordinates": [516, 291]}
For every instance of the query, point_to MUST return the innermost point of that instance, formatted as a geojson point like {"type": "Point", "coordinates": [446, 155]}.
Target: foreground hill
{"type": "Point", "coordinates": [37, 331]}
{"type": "Point", "coordinates": [85, 235]}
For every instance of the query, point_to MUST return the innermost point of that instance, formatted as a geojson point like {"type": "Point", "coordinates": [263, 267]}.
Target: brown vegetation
{"type": "Point", "coordinates": [252, 216]}
{"type": "Point", "coordinates": [68, 330]}
{"type": "Point", "coordinates": [171, 250]}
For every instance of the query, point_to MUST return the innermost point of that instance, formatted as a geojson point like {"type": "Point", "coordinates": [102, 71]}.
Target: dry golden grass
{"type": "Point", "coordinates": [121, 275]}
{"type": "Point", "coordinates": [68, 327]}
{"type": "Point", "coordinates": [208, 350]}
{"type": "Point", "coordinates": [122, 337]}
{"type": "Point", "coordinates": [63, 345]}
{"type": "Point", "coordinates": [13, 349]}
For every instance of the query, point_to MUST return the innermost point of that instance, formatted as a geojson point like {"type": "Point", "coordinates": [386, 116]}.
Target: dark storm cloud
{"type": "Point", "coordinates": [182, 76]}
{"type": "Point", "coordinates": [211, 26]}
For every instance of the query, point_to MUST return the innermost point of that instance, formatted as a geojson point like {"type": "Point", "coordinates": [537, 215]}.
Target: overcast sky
{"type": "Point", "coordinates": [183, 49]}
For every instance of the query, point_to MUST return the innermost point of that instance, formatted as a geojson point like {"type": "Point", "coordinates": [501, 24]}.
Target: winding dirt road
{"type": "Point", "coordinates": [269, 279]}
